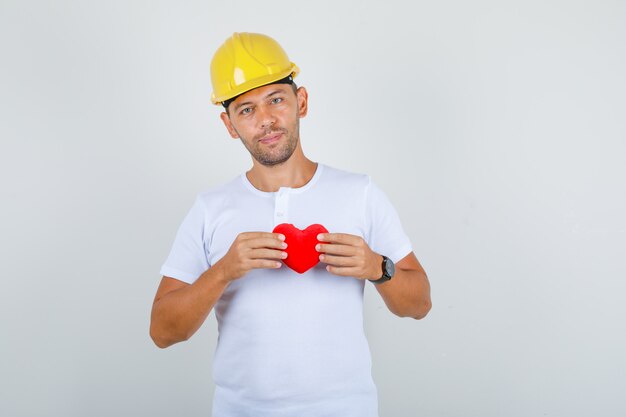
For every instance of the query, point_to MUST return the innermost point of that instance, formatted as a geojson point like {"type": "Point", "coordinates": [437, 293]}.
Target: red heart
{"type": "Point", "coordinates": [301, 253]}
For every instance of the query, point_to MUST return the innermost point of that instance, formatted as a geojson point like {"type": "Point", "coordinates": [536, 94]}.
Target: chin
{"type": "Point", "coordinates": [272, 163]}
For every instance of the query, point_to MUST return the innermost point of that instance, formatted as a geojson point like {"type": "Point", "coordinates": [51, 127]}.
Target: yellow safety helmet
{"type": "Point", "coordinates": [246, 61]}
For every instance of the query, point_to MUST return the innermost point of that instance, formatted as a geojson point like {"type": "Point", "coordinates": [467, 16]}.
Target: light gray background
{"type": "Point", "coordinates": [496, 128]}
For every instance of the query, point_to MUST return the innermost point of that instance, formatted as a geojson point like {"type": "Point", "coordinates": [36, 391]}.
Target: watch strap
{"type": "Point", "coordinates": [385, 276]}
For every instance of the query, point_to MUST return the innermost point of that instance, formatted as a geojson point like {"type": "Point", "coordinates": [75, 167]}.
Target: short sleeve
{"type": "Point", "coordinates": [386, 236]}
{"type": "Point", "coordinates": [188, 258]}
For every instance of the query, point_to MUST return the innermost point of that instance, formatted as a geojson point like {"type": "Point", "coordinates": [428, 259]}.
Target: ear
{"type": "Point", "coordinates": [229, 126]}
{"type": "Point", "coordinates": [303, 101]}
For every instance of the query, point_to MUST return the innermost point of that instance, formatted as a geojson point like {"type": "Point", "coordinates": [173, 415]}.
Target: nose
{"type": "Point", "coordinates": [265, 117]}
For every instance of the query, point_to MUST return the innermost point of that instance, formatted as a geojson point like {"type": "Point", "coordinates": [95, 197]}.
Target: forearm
{"type": "Point", "coordinates": [180, 313]}
{"type": "Point", "coordinates": [407, 294]}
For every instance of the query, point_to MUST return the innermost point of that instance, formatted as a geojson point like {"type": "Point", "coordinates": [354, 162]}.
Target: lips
{"type": "Point", "coordinates": [274, 137]}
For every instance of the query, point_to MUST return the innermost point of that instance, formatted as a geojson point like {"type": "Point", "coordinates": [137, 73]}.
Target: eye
{"type": "Point", "coordinates": [246, 110]}
{"type": "Point", "coordinates": [277, 100]}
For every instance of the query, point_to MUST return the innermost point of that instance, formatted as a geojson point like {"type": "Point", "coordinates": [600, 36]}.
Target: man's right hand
{"type": "Point", "coordinates": [179, 309]}
{"type": "Point", "coordinates": [253, 250]}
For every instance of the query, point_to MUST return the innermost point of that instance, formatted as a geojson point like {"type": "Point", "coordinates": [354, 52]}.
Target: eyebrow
{"type": "Point", "coordinates": [245, 103]}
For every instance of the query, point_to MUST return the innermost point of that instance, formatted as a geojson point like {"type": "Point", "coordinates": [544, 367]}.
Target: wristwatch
{"type": "Point", "coordinates": [388, 270]}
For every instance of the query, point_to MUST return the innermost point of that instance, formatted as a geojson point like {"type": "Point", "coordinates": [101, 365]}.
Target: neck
{"type": "Point", "coordinates": [294, 173]}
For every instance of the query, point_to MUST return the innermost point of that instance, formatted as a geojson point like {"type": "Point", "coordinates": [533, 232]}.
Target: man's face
{"type": "Point", "coordinates": [267, 120]}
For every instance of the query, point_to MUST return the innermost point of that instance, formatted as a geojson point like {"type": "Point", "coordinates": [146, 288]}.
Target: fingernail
{"type": "Point", "coordinates": [320, 237]}
{"type": "Point", "coordinates": [283, 255]}
{"type": "Point", "coordinates": [284, 245]}
{"type": "Point", "coordinates": [318, 247]}
{"type": "Point", "coordinates": [278, 264]}
{"type": "Point", "coordinates": [281, 237]}
{"type": "Point", "coordinates": [321, 257]}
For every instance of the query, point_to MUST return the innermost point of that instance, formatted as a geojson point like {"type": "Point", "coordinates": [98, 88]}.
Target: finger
{"type": "Point", "coordinates": [267, 254]}
{"type": "Point", "coordinates": [342, 271]}
{"type": "Point", "coordinates": [265, 264]}
{"type": "Point", "coordinates": [342, 261]}
{"type": "Point", "coordinates": [336, 249]}
{"type": "Point", "coordinates": [337, 238]}
{"type": "Point", "coordinates": [259, 235]}
{"type": "Point", "coordinates": [264, 242]}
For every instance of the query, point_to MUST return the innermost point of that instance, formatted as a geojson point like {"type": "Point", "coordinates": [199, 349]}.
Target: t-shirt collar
{"type": "Point", "coordinates": [312, 181]}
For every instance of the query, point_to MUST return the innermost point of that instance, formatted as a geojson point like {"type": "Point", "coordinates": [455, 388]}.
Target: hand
{"type": "Point", "coordinates": [349, 255]}
{"type": "Point", "coordinates": [253, 250]}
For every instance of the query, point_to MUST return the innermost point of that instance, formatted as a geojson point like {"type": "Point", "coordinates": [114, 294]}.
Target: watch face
{"type": "Point", "coordinates": [389, 267]}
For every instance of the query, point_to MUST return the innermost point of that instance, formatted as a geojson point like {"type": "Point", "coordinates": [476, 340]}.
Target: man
{"type": "Point", "coordinates": [289, 344]}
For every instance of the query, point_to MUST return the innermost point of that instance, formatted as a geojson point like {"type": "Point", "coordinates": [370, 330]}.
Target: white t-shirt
{"type": "Point", "coordinates": [289, 344]}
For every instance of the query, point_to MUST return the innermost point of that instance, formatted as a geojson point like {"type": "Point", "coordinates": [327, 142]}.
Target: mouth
{"type": "Point", "coordinates": [271, 138]}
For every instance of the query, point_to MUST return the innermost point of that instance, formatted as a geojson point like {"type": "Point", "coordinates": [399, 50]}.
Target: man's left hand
{"type": "Point", "coordinates": [349, 255]}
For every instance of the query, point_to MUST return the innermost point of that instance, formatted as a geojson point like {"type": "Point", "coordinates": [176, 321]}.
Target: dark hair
{"type": "Point", "coordinates": [287, 80]}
